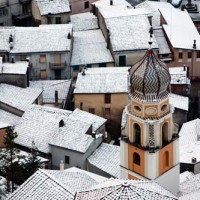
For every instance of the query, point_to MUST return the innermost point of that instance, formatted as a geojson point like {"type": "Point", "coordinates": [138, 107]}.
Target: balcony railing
{"type": "Point", "coordinates": [57, 65]}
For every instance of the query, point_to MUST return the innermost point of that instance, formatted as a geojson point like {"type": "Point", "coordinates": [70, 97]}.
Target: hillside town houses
{"type": "Point", "coordinates": [100, 99]}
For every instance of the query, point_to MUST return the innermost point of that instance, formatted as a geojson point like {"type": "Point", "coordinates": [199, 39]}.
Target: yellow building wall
{"type": "Point", "coordinates": [140, 169]}
{"type": "Point", "coordinates": [96, 101]}
{"type": "Point", "coordinates": [132, 177]}
{"type": "Point", "coordinates": [162, 167]}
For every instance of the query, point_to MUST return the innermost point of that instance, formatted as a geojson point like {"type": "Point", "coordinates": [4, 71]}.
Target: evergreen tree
{"type": "Point", "coordinates": [9, 156]}
{"type": "Point", "coordinates": [32, 163]}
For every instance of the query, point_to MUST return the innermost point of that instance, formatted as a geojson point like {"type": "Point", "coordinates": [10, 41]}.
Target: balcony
{"type": "Point", "coordinates": [57, 65]}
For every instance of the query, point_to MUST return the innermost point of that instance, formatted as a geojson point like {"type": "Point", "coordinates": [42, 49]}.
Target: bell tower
{"type": "Point", "coordinates": [149, 148]}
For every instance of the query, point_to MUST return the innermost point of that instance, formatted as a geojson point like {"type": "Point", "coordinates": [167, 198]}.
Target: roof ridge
{"type": "Point", "coordinates": [56, 180]}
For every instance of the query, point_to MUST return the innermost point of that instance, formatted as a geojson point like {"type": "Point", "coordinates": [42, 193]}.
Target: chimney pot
{"type": "Point", "coordinates": [61, 123]}
{"type": "Point", "coordinates": [69, 36]}
{"type": "Point", "coordinates": [61, 165]}
{"type": "Point", "coordinates": [194, 160]}
{"type": "Point", "coordinates": [111, 2]}
{"type": "Point", "coordinates": [56, 97]}
{"type": "Point", "coordinates": [194, 45]}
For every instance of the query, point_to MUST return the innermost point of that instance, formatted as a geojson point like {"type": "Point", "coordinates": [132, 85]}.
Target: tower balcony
{"type": "Point", "coordinates": [151, 149]}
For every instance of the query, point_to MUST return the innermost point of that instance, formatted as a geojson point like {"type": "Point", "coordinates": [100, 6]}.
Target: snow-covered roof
{"type": "Point", "coordinates": [53, 6]}
{"type": "Point", "coordinates": [107, 2]}
{"type": "Point", "coordinates": [107, 159]}
{"type": "Point", "coordinates": [175, 29]}
{"type": "Point", "coordinates": [190, 188]}
{"type": "Point", "coordinates": [190, 132]}
{"type": "Point", "coordinates": [87, 117]}
{"type": "Point", "coordinates": [3, 125]}
{"type": "Point", "coordinates": [90, 48]}
{"type": "Point", "coordinates": [121, 11]}
{"type": "Point", "coordinates": [189, 151]}
{"type": "Point", "coordinates": [19, 67]}
{"type": "Point", "coordinates": [153, 7]}
{"type": "Point", "coordinates": [191, 196]}
{"type": "Point", "coordinates": [185, 176]}
{"type": "Point", "coordinates": [19, 98]}
{"type": "Point", "coordinates": [55, 184]}
{"type": "Point", "coordinates": [50, 86]}
{"type": "Point", "coordinates": [4, 38]}
{"type": "Point", "coordinates": [84, 21]}
{"type": "Point", "coordinates": [96, 177]}
{"type": "Point", "coordinates": [8, 118]}
{"type": "Point", "coordinates": [41, 186]}
{"type": "Point", "coordinates": [179, 75]}
{"type": "Point", "coordinates": [178, 101]}
{"type": "Point", "coordinates": [41, 39]}
{"type": "Point", "coordinates": [39, 124]}
{"type": "Point", "coordinates": [129, 33]}
{"type": "Point", "coordinates": [126, 189]}
{"type": "Point", "coordinates": [73, 135]}
{"type": "Point", "coordinates": [161, 41]}
{"type": "Point", "coordinates": [103, 80]}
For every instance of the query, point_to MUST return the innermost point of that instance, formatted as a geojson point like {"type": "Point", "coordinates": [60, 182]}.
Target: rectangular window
{"type": "Point", "coordinates": [198, 54]}
{"type": "Point", "coordinates": [107, 111]}
{"type": "Point", "coordinates": [102, 64]}
{"type": "Point", "coordinates": [57, 59]}
{"type": "Point", "coordinates": [23, 57]}
{"type": "Point", "coordinates": [67, 160]}
{"type": "Point", "coordinates": [180, 55]}
{"type": "Point", "coordinates": [190, 55]}
{"type": "Point", "coordinates": [43, 74]}
{"type": "Point", "coordinates": [86, 4]}
{"type": "Point", "coordinates": [107, 98]}
{"type": "Point", "coordinates": [76, 67]}
{"type": "Point", "coordinates": [42, 58]}
{"type": "Point", "coordinates": [58, 20]}
{"type": "Point", "coordinates": [81, 105]}
{"type": "Point", "coordinates": [91, 110]}
{"type": "Point", "coordinates": [122, 61]}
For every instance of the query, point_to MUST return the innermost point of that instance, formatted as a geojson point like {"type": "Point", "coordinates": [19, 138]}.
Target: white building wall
{"type": "Point", "coordinates": [151, 165]}
{"type": "Point", "coordinates": [124, 154]}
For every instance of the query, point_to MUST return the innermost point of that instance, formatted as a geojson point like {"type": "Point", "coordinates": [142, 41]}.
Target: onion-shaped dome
{"type": "Point", "coordinates": [150, 76]}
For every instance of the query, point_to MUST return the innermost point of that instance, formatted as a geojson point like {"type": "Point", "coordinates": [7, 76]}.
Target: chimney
{"type": "Point", "coordinates": [69, 36]}
{"type": "Point", "coordinates": [111, 2]}
{"type": "Point", "coordinates": [194, 45]}
{"type": "Point", "coordinates": [150, 20]}
{"type": "Point", "coordinates": [11, 41]}
{"type": "Point", "coordinates": [83, 72]}
{"type": "Point", "coordinates": [56, 97]}
{"type": "Point", "coordinates": [10, 38]}
{"type": "Point", "coordinates": [12, 59]}
{"type": "Point", "coordinates": [93, 134]}
{"type": "Point", "coordinates": [61, 123]}
{"type": "Point", "coordinates": [194, 160]}
{"type": "Point", "coordinates": [61, 165]}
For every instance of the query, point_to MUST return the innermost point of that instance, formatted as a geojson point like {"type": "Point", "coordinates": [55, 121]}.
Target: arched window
{"type": "Point", "coordinates": [136, 158]}
{"type": "Point", "coordinates": [137, 131]}
{"type": "Point", "coordinates": [166, 159]}
{"type": "Point", "coordinates": [165, 133]}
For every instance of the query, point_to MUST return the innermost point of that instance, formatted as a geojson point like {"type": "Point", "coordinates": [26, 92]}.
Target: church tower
{"type": "Point", "coordinates": [149, 148]}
